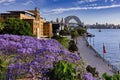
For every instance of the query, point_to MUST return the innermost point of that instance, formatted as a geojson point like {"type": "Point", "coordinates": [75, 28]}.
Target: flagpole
{"type": "Point", "coordinates": [119, 45]}
{"type": "Point", "coordinates": [103, 56]}
{"type": "Point", "coordinates": [103, 51]}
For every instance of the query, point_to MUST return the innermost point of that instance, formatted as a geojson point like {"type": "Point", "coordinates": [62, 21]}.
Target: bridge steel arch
{"type": "Point", "coordinates": [68, 18]}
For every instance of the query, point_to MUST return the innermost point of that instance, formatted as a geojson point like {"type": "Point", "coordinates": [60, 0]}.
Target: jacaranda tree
{"type": "Point", "coordinates": [34, 56]}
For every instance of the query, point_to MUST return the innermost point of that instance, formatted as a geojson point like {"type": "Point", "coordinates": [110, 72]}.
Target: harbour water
{"type": "Point", "coordinates": [111, 40]}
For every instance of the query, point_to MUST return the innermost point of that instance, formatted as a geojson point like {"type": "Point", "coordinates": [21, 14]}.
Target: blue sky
{"type": "Point", "coordinates": [89, 11]}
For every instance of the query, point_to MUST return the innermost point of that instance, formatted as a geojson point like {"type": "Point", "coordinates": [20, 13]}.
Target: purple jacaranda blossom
{"type": "Point", "coordinates": [33, 54]}
{"type": "Point", "coordinates": [88, 76]}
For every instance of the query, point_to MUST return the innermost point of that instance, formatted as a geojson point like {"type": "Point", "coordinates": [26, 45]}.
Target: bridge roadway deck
{"type": "Point", "coordinates": [90, 57]}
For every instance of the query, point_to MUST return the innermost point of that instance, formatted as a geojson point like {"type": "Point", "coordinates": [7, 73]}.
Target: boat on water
{"type": "Point", "coordinates": [90, 35]}
{"type": "Point", "coordinates": [99, 30]}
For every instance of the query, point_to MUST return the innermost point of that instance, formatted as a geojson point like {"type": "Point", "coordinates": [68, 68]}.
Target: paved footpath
{"type": "Point", "coordinates": [90, 57]}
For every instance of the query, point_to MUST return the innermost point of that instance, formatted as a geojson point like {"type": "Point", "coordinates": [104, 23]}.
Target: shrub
{"type": "Point", "coordinates": [4, 62]}
{"type": "Point", "coordinates": [108, 77]}
{"type": "Point", "coordinates": [81, 31]}
{"type": "Point", "coordinates": [74, 34]}
{"type": "Point", "coordinates": [65, 31]}
{"type": "Point", "coordinates": [16, 26]}
{"type": "Point", "coordinates": [72, 46]}
{"type": "Point", "coordinates": [62, 71]}
{"type": "Point", "coordinates": [92, 70]}
{"type": "Point", "coordinates": [63, 40]}
{"type": "Point", "coordinates": [116, 76]}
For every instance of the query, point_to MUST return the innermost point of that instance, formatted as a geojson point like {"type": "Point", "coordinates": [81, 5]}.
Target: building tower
{"type": "Point", "coordinates": [37, 14]}
{"type": "Point", "coordinates": [58, 20]}
{"type": "Point", "coordinates": [62, 23]}
{"type": "Point", "coordinates": [62, 20]}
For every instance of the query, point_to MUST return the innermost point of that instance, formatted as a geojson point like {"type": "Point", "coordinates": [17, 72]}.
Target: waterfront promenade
{"type": "Point", "coordinates": [91, 58]}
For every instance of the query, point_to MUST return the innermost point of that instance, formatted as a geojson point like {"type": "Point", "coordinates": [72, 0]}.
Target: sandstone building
{"type": "Point", "coordinates": [41, 28]}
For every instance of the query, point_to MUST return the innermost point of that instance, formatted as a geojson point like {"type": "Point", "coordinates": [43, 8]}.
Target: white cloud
{"type": "Point", "coordinates": [6, 1]}
{"type": "Point", "coordinates": [28, 2]}
{"type": "Point", "coordinates": [61, 10]}
{"type": "Point", "coordinates": [111, 0]}
{"type": "Point", "coordinates": [91, 5]}
{"type": "Point", "coordinates": [81, 2]}
{"type": "Point", "coordinates": [85, 1]}
{"type": "Point", "coordinates": [91, 0]}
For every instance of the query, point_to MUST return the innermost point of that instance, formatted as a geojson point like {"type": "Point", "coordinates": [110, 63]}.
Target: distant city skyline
{"type": "Point", "coordinates": [89, 11]}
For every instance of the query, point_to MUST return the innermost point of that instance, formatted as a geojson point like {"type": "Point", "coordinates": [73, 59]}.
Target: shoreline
{"type": "Point", "coordinates": [92, 57]}
{"type": "Point", "coordinates": [114, 68]}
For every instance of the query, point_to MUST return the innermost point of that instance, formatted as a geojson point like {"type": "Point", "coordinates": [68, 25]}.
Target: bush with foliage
{"type": "Point", "coordinates": [81, 31]}
{"type": "Point", "coordinates": [62, 71]}
{"type": "Point", "coordinates": [108, 77]}
{"type": "Point", "coordinates": [72, 46]}
{"type": "Point", "coordinates": [74, 34]}
{"type": "Point", "coordinates": [92, 70]}
{"type": "Point", "coordinates": [65, 31]}
{"type": "Point", "coordinates": [16, 26]}
{"type": "Point", "coordinates": [4, 62]}
{"type": "Point", "coordinates": [63, 40]}
{"type": "Point", "coordinates": [116, 76]}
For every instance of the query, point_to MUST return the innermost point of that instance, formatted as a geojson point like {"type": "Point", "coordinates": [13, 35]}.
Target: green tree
{"type": "Point", "coordinates": [65, 31]}
{"type": "Point", "coordinates": [81, 31]}
{"type": "Point", "coordinates": [74, 35]}
{"type": "Point", "coordinates": [66, 28]}
{"type": "Point", "coordinates": [72, 46]}
{"type": "Point", "coordinates": [16, 26]}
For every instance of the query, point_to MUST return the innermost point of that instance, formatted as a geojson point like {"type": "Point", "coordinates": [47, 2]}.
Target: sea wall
{"type": "Point", "coordinates": [112, 67]}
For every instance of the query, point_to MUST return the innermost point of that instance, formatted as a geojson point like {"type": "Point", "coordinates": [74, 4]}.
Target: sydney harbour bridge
{"type": "Point", "coordinates": [76, 23]}
{"type": "Point", "coordinates": [67, 22]}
